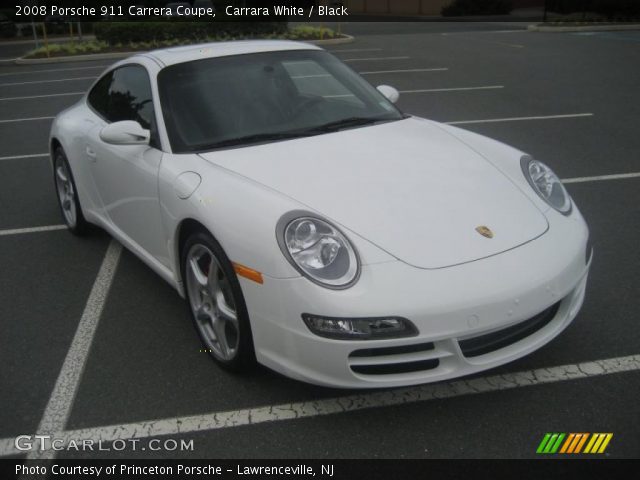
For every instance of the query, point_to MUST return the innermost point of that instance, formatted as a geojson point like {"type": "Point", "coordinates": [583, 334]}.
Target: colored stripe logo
{"type": "Point", "coordinates": [574, 443]}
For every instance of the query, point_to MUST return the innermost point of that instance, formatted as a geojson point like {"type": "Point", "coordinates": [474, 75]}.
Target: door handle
{"type": "Point", "coordinates": [91, 154]}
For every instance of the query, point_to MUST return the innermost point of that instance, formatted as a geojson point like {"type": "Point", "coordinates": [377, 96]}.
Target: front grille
{"type": "Point", "coordinates": [490, 342]}
{"type": "Point", "coordinates": [392, 368]}
{"type": "Point", "coordinates": [377, 352]}
{"type": "Point", "coordinates": [395, 360]}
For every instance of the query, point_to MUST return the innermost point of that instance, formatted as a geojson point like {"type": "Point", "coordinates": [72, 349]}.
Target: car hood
{"type": "Point", "coordinates": [408, 186]}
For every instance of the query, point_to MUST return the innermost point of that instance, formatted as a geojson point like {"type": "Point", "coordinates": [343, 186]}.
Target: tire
{"type": "Point", "coordinates": [67, 194]}
{"type": "Point", "coordinates": [216, 303]}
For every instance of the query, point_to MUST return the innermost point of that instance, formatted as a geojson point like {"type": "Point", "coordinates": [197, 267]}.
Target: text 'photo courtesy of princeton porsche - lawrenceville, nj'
{"type": "Point", "coordinates": [319, 238]}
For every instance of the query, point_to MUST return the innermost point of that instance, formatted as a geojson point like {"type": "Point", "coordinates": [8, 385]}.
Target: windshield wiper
{"type": "Point", "coordinates": [348, 122]}
{"type": "Point", "coordinates": [256, 138]}
{"type": "Point", "coordinates": [308, 132]}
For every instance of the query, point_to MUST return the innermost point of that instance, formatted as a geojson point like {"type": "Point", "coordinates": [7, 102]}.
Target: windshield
{"type": "Point", "coordinates": [243, 99]}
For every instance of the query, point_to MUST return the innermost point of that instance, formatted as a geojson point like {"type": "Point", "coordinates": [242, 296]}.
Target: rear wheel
{"type": "Point", "coordinates": [216, 303]}
{"type": "Point", "coordinates": [67, 194]}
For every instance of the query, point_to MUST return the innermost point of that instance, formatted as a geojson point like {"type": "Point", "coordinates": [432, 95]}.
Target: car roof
{"type": "Point", "coordinates": [174, 55]}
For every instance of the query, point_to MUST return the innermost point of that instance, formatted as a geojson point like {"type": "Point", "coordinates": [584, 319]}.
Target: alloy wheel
{"type": "Point", "coordinates": [66, 192]}
{"type": "Point", "coordinates": [212, 303]}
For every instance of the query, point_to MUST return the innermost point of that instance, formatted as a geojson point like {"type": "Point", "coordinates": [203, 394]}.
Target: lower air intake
{"type": "Point", "coordinates": [394, 360]}
{"type": "Point", "coordinates": [490, 342]}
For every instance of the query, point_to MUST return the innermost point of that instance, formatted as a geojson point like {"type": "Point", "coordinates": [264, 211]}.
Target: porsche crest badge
{"type": "Point", "coordinates": [484, 231]}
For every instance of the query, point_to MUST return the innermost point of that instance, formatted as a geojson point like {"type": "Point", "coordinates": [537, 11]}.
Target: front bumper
{"type": "Point", "coordinates": [447, 306]}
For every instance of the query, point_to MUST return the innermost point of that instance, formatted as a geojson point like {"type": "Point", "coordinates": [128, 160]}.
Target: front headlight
{"type": "Point", "coordinates": [318, 250]}
{"type": "Point", "coordinates": [546, 184]}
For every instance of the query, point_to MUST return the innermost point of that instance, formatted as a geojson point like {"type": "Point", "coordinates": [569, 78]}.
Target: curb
{"type": "Point", "coordinates": [74, 58]}
{"type": "Point", "coordinates": [586, 28]}
{"type": "Point", "coordinates": [117, 55]}
{"type": "Point", "coordinates": [51, 39]}
{"type": "Point", "coordinates": [333, 41]}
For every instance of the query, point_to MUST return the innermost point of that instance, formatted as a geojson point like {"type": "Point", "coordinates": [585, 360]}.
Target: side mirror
{"type": "Point", "coordinates": [391, 93]}
{"type": "Point", "coordinates": [126, 132]}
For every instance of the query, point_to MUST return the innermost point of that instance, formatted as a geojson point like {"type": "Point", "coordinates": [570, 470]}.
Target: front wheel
{"type": "Point", "coordinates": [216, 302]}
{"type": "Point", "coordinates": [67, 194]}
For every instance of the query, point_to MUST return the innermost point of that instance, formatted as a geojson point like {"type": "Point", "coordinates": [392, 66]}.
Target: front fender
{"type": "Point", "coordinates": [240, 213]}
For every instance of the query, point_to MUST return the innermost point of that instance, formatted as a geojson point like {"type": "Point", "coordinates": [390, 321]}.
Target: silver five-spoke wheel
{"type": "Point", "coordinates": [212, 303]}
{"type": "Point", "coordinates": [66, 192]}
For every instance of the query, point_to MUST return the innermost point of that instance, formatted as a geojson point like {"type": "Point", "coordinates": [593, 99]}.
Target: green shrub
{"type": "Point", "coordinates": [68, 48]}
{"type": "Point", "coordinates": [114, 39]}
{"type": "Point", "coordinates": [127, 32]}
{"type": "Point", "coordinates": [308, 32]}
{"type": "Point", "coordinates": [608, 8]}
{"type": "Point", "coordinates": [477, 7]}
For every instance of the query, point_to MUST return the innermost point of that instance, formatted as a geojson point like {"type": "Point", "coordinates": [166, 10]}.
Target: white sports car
{"type": "Point", "coordinates": [312, 226]}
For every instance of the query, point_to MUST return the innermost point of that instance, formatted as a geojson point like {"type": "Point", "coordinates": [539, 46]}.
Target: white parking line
{"type": "Point", "coordinates": [351, 403]}
{"type": "Point", "coordinates": [22, 231]}
{"type": "Point", "coordinates": [485, 32]}
{"type": "Point", "coordinates": [461, 122]}
{"type": "Point", "coordinates": [47, 81]}
{"type": "Point", "coordinates": [31, 72]}
{"type": "Point", "coordinates": [602, 178]}
{"type": "Point", "coordinates": [42, 96]}
{"type": "Point", "coordinates": [12, 120]}
{"type": "Point", "coordinates": [461, 34]}
{"type": "Point", "coordinates": [356, 50]}
{"type": "Point", "coordinates": [372, 59]}
{"type": "Point", "coordinates": [318, 75]}
{"type": "Point", "coordinates": [519, 119]}
{"type": "Point", "coordinates": [457, 89]}
{"type": "Point", "coordinates": [16, 157]}
{"type": "Point", "coordinates": [57, 411]}
{"type": "Point", "coordinates": [409, 70]}
{"type": "Point", "coordinates": [431, 90]}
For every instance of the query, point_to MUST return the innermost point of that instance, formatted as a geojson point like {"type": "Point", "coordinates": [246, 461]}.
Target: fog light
{"type": "Point", "coordinates": [359, 328]}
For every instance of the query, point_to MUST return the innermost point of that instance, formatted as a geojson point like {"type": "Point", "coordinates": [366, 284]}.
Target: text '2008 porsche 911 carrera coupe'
{"type": "Point", "coordinates": [312, 226]}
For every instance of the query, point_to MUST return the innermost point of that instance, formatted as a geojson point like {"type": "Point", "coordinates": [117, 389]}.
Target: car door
{"type": "Point", "coordinates": [126, 176]}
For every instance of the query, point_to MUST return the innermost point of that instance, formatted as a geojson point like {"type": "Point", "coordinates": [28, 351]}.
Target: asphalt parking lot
{"type": "Point", "coordinates": [571, 100]}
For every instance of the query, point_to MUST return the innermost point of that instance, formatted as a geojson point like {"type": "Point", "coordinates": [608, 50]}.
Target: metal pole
{"type": "Point", "coordinates": [80, 31]}
{"type": "Point", "coordinates": [35, 33]}
{"type": "Point", "coordinates": [44, 37]}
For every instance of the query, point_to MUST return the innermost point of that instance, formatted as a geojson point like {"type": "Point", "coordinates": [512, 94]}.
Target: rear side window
{"type": "Point", "coordinates": [124, 94]}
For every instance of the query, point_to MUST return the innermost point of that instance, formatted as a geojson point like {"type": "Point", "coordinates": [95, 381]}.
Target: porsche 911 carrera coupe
{"type": "Point", "coordinates": [312, 226]}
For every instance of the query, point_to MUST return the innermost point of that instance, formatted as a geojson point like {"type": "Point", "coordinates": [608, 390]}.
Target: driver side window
{"type": "Point", "coordinates": [130, 96]}
{"type": "Point", "coordinates": [125, 94]}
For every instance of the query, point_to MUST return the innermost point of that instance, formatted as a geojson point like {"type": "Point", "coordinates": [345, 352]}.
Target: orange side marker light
{"type": "Point", "coordinates": [249, 273]}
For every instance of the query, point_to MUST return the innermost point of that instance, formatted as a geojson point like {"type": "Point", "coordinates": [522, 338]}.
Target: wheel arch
{"type": "Point", "coordinates": [184, 230]}
{"type": "Point", "coordinates": [53, 145]}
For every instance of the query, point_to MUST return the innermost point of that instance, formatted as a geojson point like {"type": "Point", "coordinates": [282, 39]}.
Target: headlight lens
{"type": "Point", "coordinates": [319, 251]}
{"type": "Point", "coordinates": [546, 184]}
